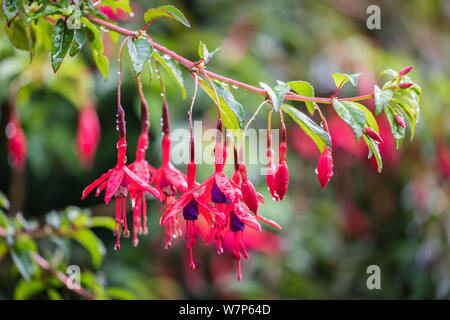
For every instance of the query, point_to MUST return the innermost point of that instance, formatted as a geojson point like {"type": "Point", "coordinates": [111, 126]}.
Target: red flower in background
{"type": "Point", "coordinates": [17, 143]}
{"type": "Point", "coordinates": [119, 15]}
{"type": "Point", "coordinates": [88, 135]}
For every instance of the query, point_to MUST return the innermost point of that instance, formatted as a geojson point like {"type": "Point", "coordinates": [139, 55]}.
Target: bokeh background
{"type": "Point", "coordinates": [398, 220]}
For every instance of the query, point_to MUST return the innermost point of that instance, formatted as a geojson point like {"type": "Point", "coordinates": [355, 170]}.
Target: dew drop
{"type": "Point", "coordinates": [235, 87]}
{"type": "Point", "coordinates": [131, 14]}
{"type": "Point", "coordinates": [317, 172]}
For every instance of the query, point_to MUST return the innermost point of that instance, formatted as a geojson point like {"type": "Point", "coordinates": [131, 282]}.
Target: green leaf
{"type": "Point", "coordinates": [27, 289]}
{"type": "Point", "coordinates": [397, 130]}
{"type": "Point", "coordinates": [24, 263]}
{"type": "Point", "coordinates": [47, 9]}
{"type": "Point", "coordinates": [352, 115]}
{"type": "Point", "coordinates": [4, 202]}
{"type": "Point", "coordinates": [341, 78]}
{"type": "Point", "coordinates": [319, 136]}
{"type": "Point", "coordinates": [381, 97]}
{"type": "Point", "coordinates": [172, 68]}
{"type": "Point", "coordinates": [407, 110]}
{"type": "Point", "coordinates": [93, 34]}
{"type": "Point", "coordinates": [62, 39]}
{"type": "Point", "coordinates": [140, 51]}
{"type": "Point", "coordinates": [276, 94]}
{"type": "Point", "coordinates": [11, 8]}
{"type": "Point", "coordinates": [79, 41]}
{"type": "Point", "coordinates": [371, 121]}
{"type": "Point", "coordinates": [232, 111]}
{"type": "Point", "coordinates": [373, 150]}
{"type": "Point", "coordinates": [120, 293]}
{"type": "Point", "coordinates": [18, 35]}
{"type": "Point", "coordinates": [390, 72]}
{"type": "Point", "coordinates": [103, 222]}
{"type": "Point", "coordinates": [101, 62]}
{"type": "Point", "coordinates": [166, 11]}
{"type": "Point", "coordinates": [93, 244]}
{"type": "Point", "coordinates": [53, 294]}
{"type": "Point", "coordinates": [304, 88]}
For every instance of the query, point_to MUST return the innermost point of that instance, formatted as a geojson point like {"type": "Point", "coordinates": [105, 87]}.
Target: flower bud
{"type": "Point", "coordinates": [282, 179]}
{"type": "Point", "coordinates": [405, 70]}
{"type": "Point", "coordinates": [405, 85]}
{"type": "Point", "coordinates": [373, 134]}
{"type": "Point", "coordinates": [399, 119]}
{"type": "Point", "coordinates": [249, 195]}
{"type": "Point", "coordinates": [325, 167]}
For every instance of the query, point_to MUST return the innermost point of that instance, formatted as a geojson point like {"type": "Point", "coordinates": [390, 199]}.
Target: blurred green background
{"type": "Point", "coordinates": [398, 220]}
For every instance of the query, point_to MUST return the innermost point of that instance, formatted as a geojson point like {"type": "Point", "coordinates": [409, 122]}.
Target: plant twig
{"type": "Point", "coordinates": [190, 65]}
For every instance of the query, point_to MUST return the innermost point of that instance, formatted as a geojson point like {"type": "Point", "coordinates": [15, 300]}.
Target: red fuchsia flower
{"type": "Point", "coordinates": [373, 134]}
{"type": "Point", "coordinates": [17, 143]}
{"type": "Point", "coordinates": [405, 85]}
{"type": "Point", "coordinates": [168, 180]}
{"type": "Point", "coordinates": [405, 71]}
{"type": "Point", "coordinates": [119, 15]}
{"type": "Point", "coordinates": [399, 119]}
{"type": "Point", "coordinates": [118, 180]}
{"type": "Point", "coordinates": [88, 135]}
{"type": "Point", "coordinates": [143, 170]}
{"type": "Point", "coordinates": [271, 169]}
{"type": "Point", "coordinates": [249, 193]}
{"type": "Point", "coordinates": [282, 173]}
{"type": "Point", "coordinates": [325, 167]}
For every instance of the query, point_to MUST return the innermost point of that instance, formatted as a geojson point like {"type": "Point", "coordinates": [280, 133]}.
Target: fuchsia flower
{"type": "Point", "coordinates": [373, 134]}
{"type": "Point", "coordinates": [118, 180]}
{"type": "Point", "coordinates": [405, 85]}
{"type": "Point", "coordinates": [168, 180]}
{"type": "Point", "coordinates": [405, 70]}
{"type": "Point", "coordinates": [17, 143]}
{"type": "Point", "coordinates": [282, 172]}
{"type": "Point", "coordinates": [88, 135]}
{"type": "Point", "coordinates": [249, 193]}
{"type": "Point", "coordinates": [137, 195]}
{"type": "Point", "coordinates": [191, 204]}
{"type": "Point", "coordinates": [399, 119]}
{"type": "Point", "coordinates": [325, 167]}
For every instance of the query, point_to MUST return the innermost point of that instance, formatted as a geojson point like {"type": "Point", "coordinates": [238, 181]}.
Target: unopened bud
{"type": "Point", "coordinates": [373, 134]}
{"type": "Point", "coordinates": [399, 119]}
{"type": "Point", "coordinates": [405, 70]}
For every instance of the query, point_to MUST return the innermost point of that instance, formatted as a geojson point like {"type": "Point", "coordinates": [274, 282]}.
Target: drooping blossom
{"type": "Point", "coordinates": [17, 143]}
{"type": "Point", "coordinates": [373, 134]}
{"type": "Point", "coordinates": [168, 180]}
{"type": "Point", "coordinates": [325, 167]}
{"type": "Point", "coordinates": [118, 180]}
{"type": "Point", "coordinates": [405, 70]}
{"type": "Point", "coordinates": [88, 135]}
{"type": "Point", "coordinates": [282, 172]}
{"type": "Point", "coordinates": [399, 119]}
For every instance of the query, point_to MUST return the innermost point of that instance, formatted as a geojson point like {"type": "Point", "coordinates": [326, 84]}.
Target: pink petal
{"type": "Point", "coordinates": [94, 184]}
{"type": "Point", "coordinates": [225, 186]}
{"type": "Point", "coordinates": [114, 181]}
